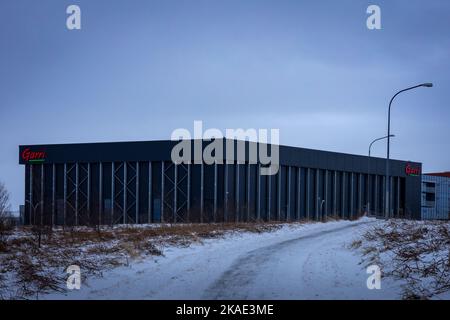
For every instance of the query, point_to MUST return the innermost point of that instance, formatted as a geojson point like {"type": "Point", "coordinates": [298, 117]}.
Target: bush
{"type": "Point", "coordinates": [5, 221]}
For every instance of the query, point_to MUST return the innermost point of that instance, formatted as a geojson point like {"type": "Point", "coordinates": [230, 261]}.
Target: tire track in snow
{"type": "Point", "coordinates": [241, 275]}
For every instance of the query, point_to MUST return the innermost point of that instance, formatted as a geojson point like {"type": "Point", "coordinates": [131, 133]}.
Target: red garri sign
{"type": "Point", "coordinates": [412, 171]}
{"type": "Point", "coordinates": [32, 156]}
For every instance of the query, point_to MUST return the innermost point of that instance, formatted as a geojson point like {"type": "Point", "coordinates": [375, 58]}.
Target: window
{"type": "Point", "coordinates": [429, 196]}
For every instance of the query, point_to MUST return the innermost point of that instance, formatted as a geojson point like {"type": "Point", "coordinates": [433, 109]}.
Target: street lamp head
{"type": "Point", "coordinates": [428, 85]}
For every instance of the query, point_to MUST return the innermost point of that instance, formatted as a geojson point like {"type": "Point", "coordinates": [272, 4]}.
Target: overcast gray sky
{"type": "Point", "coordinates": [137, 70]}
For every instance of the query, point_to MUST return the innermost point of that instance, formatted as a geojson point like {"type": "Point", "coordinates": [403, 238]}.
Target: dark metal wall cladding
{"type": "Point", "coordinates": [205, 193]}
{"type": "Point", "coordinates": [161, 151]}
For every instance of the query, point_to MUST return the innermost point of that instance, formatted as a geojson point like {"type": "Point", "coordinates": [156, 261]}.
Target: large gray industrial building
{"type": "Point", "coordinates": [436, 196]}
{"type": "Point", "coordinates": [136, 182]}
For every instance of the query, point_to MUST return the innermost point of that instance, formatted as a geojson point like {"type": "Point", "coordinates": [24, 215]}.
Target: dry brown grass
{"type": "Point", "coordinates": [415, 252]}
{"type": "Point", "coordinates": [40, 269]}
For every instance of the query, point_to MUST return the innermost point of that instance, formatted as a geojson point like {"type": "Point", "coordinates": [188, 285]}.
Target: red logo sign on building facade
{"type": "Point", "coordinates": [412, 171]}
{"type": "Point", "coordinates": [33, 156]}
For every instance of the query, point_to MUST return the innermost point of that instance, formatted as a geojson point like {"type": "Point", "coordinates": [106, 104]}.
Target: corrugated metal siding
{"type": "Point", "coordinates": [439, 209]}
{"type": "Point", "coordinates": [80, 184]}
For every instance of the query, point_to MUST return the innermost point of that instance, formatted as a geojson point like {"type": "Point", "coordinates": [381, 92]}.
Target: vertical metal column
{"type": "Point", "coordinates": [375, 199]}
{"type": "Point", "coordinates": [237, 192]}
{"type": "Point", "coordinates": [215, 193]}
{"type": "Point", "coordinates": [100, 194]}
{"type": "Point", "coordinates": [269, 196]}
{"type": "Point", "coordinates": [317, 198]}
{"type": "Point", "coordinates": [65, 195]}
{"type": "Point", "coordinates": [335, 194]}
{"type": "Point", "coordinates": [225, 211]}
{"type": "Point", "coordinates": [175, 187]}
{"type": "Point", "coordinates": [288, 213]}
{"type": "Point", "coordinates": [77, 191]}
{"type": "Point", "coordinates": [188, 196]}
{"type": "Point", "coordinates": [88, 205]}
{"type": "Point", "coordinates": [202, 178]}
{"type": "Point", "coordinates": [360, 192]}
{"type": "Point", "coordinates": [351, 194]}
{"type": "Point", "coordinates": [391, 199]}
{"type": "Point", "coordinates": [343, 189]}
{"type": "Point", "coordinates": [53, 194]}
{"type": "Point", "coordinates": [125, 184]}
{"type": "Point", "coordinates": [279, 195]}
{"type": "Point", "coordinates": [162, 192]}
{"type": "Point", "coordinates": [30, 211]}
{"type": "Point", "coordinates": [42, 204]}
{"type": "Point", "coordinates": [136, 220]}
{"type": "Point", "coordinates": [113, 170]}
{"type": "Point", "coordinates": [150, 189]}
{"type": "Point", "coordinates": [248, 190]}
{"type": "Point", "coordinates": [368, 194]}
{"type": "Point", "coordinates": [308, 191]}
{"type": "Point", "coordinates": [298, 192]}
{"type": "Point", "coordinates": [398, 197]}
{"type": "Point", "coordinates": [258, 192]}
{"type": "Point", "coordinates": [383, 196]}
{"type": "Point", "coordinates": [326, 193]}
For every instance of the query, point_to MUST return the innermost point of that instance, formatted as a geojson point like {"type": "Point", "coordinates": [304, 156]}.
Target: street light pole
{"type": "Point", "coordinates": [368, 170]}
{"type": "Point", "coordinates": [388, 179]}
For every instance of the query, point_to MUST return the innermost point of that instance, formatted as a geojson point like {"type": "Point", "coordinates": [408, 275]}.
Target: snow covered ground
{"type": "Point", "coordinates": [298, 261]}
